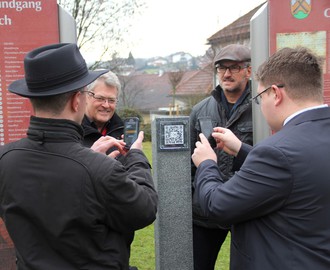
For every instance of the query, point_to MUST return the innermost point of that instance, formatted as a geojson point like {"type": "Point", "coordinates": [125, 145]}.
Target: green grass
{"type": "Point", "coordinates": [143, 249]}
{"type": "Point", "coordinates": [147, 150]}
{"type": "Point", "coordinates": [223, 257]}
{"type": "Point", "coordinates": [143, 246]}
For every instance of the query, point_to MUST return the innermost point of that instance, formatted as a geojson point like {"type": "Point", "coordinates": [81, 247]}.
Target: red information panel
{"type": "Point", "coordinates": [24, 25]}
{"type": "Point", "coordinates": [305, 23]}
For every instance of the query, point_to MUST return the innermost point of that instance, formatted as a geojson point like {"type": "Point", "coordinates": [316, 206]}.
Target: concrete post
{"type": "Point", "coordinates": [171, 171]}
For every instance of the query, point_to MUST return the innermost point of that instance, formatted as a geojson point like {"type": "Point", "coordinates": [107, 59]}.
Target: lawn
{"type": "Point", "coordinates": [143, 246]}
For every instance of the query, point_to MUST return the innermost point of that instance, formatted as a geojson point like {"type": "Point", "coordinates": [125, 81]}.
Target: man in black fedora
{"type": "Point", "coordinates": [66, 206]}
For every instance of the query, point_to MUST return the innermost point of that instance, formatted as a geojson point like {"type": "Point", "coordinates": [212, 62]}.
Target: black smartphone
{"type": "Point", "coordinates": [131, 130]}
{"type": "Point", "coordinates": [207, 129]}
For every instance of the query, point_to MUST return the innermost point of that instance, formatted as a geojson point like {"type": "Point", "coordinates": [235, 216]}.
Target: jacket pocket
{"type": "Point", "coordinates": [245, 127]}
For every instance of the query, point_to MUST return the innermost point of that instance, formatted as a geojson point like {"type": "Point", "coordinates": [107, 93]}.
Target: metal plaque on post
{"type": "Point", "coordinates": [173, 134]}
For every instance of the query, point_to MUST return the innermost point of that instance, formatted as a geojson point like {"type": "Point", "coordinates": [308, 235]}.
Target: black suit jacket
{"type": "Point", "coordinates": [279, 201]}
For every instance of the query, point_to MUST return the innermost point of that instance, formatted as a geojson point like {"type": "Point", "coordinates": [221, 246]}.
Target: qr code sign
{"type": "Point", "coordinates": [173, 134]}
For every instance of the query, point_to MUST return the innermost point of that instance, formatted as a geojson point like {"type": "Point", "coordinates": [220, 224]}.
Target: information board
{"type": "Point", "coordinates": [24, 25]}
{"type": "Point", "coordinates": [305, 23]}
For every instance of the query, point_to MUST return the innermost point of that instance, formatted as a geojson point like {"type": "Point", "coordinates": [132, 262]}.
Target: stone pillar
{"type": "Point", "coordinates": [171, 170]}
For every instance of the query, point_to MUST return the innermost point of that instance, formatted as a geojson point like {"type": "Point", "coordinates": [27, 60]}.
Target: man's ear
{"type": "Point", "coordinates": [75, 101]}
{"type": "Point", "coordinates": [248, 72]}
{"type": "Point", "coordinates": [278, 95]}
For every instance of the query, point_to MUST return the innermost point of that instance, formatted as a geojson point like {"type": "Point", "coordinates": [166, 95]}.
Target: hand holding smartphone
{"type": "Point", "coordinates": [131, 130]}
{"type": "Point", "coordinates": [207, 129]}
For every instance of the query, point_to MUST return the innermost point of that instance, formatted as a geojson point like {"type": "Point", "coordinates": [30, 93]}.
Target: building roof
{"type": "Point", "coordinates": [237, 30]}
{"type": "Point", "coordinates": [196, 82]}
{"type": "Point", "coordinates": [152, 91]}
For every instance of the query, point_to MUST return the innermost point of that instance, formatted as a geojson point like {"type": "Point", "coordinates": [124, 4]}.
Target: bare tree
{"type": "Point", "coordinates": [102, 25]}
{"type": "Point", "coordinates": [175, 78]}
{"type": "Point", "coordinates": [132, 91]}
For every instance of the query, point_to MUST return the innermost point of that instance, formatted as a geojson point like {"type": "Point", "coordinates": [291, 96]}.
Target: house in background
{"type": "Point", "coordinates": [154, 93]}
{"type": "Point", "coordinates": [238, 32]}
{"type": "Point", "coordinates": [146, 93]}
{"type": "Point", "coordinates": [196, 86]}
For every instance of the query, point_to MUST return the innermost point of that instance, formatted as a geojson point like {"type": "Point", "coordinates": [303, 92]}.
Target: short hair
{"type": "Point", "coordinates": [52, 104]}
{"type": "Point", "coordinates": [109, 79]}
{"type": "Point", "coordinates": [298, 69]}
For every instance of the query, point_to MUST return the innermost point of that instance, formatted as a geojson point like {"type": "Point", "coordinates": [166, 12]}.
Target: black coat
{"type": "Point", "coordinates": [114, 128]}
{"type": "Point", "coordinates": [68, 207]}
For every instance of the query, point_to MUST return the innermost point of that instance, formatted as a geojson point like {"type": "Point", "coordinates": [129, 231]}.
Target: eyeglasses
{"type": "Point", "coordinates": [102, 99]}
{"type": "Point", "coordinates": [257, 98]}
{"type": "Point", "coordinates": [233, 68]}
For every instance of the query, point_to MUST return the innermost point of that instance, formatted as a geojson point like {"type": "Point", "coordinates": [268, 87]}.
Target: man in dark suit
{"type": "Point", "coordinates": [278, 203]}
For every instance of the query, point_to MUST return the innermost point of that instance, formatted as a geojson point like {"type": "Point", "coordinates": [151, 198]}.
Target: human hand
{"type": "Point", "coordinates": [138, 142]}
{"type": "Point", "coordinates": [227, 140]}
{"type": "Point", "coordinates": [104, 143]}
{"type": "Point", "coordinates": [203, 151]}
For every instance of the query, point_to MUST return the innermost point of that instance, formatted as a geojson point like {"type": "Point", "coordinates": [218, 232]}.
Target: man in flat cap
{"type": "Point", "coordinates": [228, 106]}
{"type": "Point", "coordinates": [64, 205]}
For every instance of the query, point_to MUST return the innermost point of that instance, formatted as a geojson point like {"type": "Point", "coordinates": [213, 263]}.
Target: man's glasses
{"type": "Point", "coordinates": [233, 68]}
{"type": "Point", "coordinates": [102, 99]}
{"type": "Point", "coordinates": [257, 98]}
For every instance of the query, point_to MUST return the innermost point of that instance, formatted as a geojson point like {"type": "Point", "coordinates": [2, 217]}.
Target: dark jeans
{"type": "Point", "coordinates": [206, 246]}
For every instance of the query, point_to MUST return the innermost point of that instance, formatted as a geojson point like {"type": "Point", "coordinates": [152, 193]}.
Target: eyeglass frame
{"type": "Point", "coordinates": [101, 99]}
{"type": "Point", "coordinates": [230, 68]}
{"type": "Point", "coordinates": [255, 98]}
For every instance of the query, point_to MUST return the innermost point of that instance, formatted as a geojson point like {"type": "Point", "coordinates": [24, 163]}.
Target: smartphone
{"type": "Point", "coordinates": [131, 130]}
{"type": "Point", "coordinates": [207, 129]}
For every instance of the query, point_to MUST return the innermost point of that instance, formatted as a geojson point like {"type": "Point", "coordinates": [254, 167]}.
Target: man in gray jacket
{"type": "Point", "coordinates": [229, 106]}
{"type": "Point", "coordinates": [66, 206]}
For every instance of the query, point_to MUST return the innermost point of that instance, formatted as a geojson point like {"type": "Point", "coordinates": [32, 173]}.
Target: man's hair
{"type": "Point", "coordinates": [298, 69]}
{"type": "Point", "coordinates": [52, 104]}
{"type": "Point", "coordinates": [109, 78]}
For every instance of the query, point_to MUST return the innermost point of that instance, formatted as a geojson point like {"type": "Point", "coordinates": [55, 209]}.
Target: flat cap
{"type": "Point", "coordinates": [233, 52]}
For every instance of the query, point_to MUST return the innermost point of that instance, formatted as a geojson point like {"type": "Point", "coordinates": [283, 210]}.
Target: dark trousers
{"type": "Point", "coordinates": [206, 246]}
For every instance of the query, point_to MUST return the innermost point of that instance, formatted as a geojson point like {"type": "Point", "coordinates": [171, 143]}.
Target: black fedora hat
{"type": "Point", "coordinates": [54, 69]}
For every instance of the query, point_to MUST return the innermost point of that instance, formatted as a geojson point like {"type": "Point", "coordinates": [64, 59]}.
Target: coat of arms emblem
{"type": "Point", "coordinates": [300, 9]}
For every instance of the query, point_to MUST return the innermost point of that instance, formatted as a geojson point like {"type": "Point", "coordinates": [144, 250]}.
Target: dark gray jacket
{"type": "Point", "coordinates": [278, 202]}
{"type": "Point", "coordinates": [68, 207]}
{"type": "Point", "coordinates": [239, 121]}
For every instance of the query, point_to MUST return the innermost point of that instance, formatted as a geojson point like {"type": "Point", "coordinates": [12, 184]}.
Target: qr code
{"type": "Point", "coordinates": [173, 134]}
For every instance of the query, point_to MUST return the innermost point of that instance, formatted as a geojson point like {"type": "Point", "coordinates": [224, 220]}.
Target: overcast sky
{"type": "Point", "coordinates": [169, 26]}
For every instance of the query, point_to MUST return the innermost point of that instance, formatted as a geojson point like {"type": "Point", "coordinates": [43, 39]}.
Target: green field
{"type": "Point", "coordinates": [143, 247]}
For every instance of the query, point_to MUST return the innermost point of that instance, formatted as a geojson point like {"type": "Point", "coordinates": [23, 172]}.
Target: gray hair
{"type": "Point", "coordinates": [109, 79]}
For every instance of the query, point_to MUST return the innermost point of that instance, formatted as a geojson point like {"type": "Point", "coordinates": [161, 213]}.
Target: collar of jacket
{"type": "Point", "coordinates": [217, 94]}
{"type": "Point", "coordinates": [54, 130]}
{"type": "Point", "coordinates": [114, 123]}
{"type": "Point", "coordinates": [309, 116]}
{"type": "Point", "coordinates": [220, 97]}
